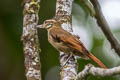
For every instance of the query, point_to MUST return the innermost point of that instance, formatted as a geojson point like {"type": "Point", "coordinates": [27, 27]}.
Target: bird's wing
{"type": "Point", "coordinates": [69, 40]}
{"type": "Point", "coordinates": [60, 35]}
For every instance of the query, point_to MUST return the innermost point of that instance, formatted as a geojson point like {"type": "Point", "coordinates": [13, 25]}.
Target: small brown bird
{"type": "Point", "coordinates": [66, 42]}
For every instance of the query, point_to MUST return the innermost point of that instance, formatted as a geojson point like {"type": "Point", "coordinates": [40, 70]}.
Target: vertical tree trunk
{"type": "Point", "coordinates": [63, 13]}
{"type": "Point", "coordinates": [30, 40]}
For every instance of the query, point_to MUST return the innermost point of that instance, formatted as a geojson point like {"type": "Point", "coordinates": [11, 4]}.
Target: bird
{"type": "Point", "coordinates": [66, 42]}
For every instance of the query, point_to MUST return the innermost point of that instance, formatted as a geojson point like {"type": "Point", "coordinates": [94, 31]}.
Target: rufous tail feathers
{"type": "Point", "coordinates": [91, 56]}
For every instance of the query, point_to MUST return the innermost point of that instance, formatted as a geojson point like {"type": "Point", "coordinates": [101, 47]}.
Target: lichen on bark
{"type": "Point", "coordinates": [63, 14]}
{"type": "Point", "coordinates": [30, 40]}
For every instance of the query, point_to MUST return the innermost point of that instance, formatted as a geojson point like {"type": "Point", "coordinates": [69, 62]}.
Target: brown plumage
{"type": "Point", "coordinates": [66, 42]}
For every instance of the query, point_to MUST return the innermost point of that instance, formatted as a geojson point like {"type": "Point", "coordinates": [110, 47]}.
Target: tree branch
{"type": "Point", "coordinates": [91, 70]}
{"type": "Point", "coordinates": [69, 71]}
{"type": "Point", "coordinates": [30, 40]}
{"type": "Point", "coordinates": [63, 14]}
{"type": "Point", "coordinates": [105, 27]}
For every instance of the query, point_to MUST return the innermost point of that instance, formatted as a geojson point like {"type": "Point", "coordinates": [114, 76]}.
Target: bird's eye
{"type": "Point", "coordinates": [48, 26]}
{"type": "Point", "coordinates": [45, 22]}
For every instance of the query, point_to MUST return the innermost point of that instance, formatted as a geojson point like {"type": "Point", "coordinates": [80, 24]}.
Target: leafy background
{"type": "Point", "coordinates": [11, 48]}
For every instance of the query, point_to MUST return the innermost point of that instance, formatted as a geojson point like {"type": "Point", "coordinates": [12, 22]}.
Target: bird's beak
{"type": "Point", "coordinates": [40, 26]}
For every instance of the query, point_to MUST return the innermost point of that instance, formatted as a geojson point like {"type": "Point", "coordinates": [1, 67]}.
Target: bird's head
{"type": "Point", "coordinates": [50, 23]}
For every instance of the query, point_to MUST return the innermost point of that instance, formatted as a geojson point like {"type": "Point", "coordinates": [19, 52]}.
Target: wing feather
{"type": "Point", "coordinates": [60, 35]}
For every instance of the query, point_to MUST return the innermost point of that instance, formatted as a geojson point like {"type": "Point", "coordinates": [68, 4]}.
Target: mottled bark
{"type": "Point", "coordinates": [31, 45]}
{"type": "Point", "coordinates": [30, 40]}
{"type": "Point", "coordinates": [63, 13]}
{"type": "Point", "coordinates": [91, 70]}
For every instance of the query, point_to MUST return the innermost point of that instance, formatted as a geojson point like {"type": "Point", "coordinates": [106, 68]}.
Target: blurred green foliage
{"type": "Point", "coordinates": [11, 48]}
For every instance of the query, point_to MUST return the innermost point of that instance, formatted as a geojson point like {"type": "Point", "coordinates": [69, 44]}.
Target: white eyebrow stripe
{"type": "Point", "coordinates": [52, 20]}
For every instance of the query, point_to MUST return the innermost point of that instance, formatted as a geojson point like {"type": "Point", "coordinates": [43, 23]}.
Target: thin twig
{"type": "Point", "coordinates": [30, 40]}
{"type": "Point", "coordinates": [105, 27]}
{"type": "Point", "coordinates": [91, 70]}
{"type": "Point", "coordinates": [63, 14]}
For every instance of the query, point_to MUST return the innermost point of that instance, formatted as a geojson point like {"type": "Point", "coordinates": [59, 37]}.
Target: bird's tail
{"type": "Point", "coordinates": [91, 56]}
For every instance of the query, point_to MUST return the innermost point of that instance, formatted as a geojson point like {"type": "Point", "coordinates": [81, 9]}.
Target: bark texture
{"type": "Point", "coordinates": [91, 70]}
{"type": "Point", "coordinates": [30, 40]}
{"type": "Point", "coordinates": [63, 13]}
